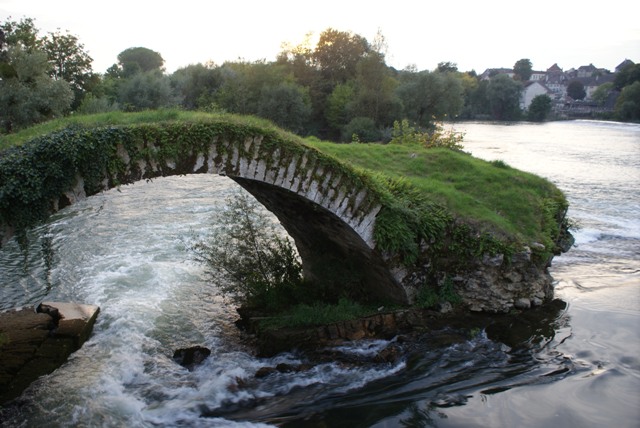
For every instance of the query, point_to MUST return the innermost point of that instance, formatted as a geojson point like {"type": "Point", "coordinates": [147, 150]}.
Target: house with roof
{"type": "Point", "coordinates": [538, 76]}
{"type": "Point", "coordinates": [531, 90]}
{"type": "Point", "coordinates": [556, 81]}
{"type": "Point", "coordinates": [586, 71]}
{"type": "Point", "coordinates": [624, 64]}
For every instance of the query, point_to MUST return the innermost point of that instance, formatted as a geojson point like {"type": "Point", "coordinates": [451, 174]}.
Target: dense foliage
{"type": "Point", "coordinates": [540, 108]}
{"type": "Point", "coordinates": [334, 90]}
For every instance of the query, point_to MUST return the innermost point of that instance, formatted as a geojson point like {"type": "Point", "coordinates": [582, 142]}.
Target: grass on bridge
{"type": "Point", "coordinates": [490, 196]}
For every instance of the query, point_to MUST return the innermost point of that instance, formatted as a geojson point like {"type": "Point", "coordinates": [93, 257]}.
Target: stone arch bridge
{"type": "Point", "coordinates": [332, 211]}
{"type": "Point", "coordinates": [325, 206]}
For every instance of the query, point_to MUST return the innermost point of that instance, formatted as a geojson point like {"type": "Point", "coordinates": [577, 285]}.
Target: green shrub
{"type": "Point", "coordinates": [404, 133]}
{"type": "Point", "coordinates": [429, 296]}
{"type": "Point", "coordinates": [361, 130]}
{"type": "Point", "coordinates": [247, 258]}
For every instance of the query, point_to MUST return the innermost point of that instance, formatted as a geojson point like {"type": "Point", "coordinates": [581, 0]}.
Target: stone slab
{"type": "Point", "coordinates": [34, 343]}
{"type": "Point", "coordinates": [76, 319]}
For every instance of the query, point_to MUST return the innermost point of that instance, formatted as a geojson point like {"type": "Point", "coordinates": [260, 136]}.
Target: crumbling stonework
{"type": "Point", "coordinates": [34, 343]}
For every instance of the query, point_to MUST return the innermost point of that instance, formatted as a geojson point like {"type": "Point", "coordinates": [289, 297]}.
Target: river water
{"type": "Point", "coordinates": [126, 251]}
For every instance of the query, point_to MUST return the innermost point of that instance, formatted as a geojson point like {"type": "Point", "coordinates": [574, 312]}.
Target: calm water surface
{"type": "Point", "coordinates": [125, 250]}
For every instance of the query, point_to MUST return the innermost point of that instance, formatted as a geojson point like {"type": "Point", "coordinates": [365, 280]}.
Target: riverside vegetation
{"type": "Point", "coordinates": [431, 191]}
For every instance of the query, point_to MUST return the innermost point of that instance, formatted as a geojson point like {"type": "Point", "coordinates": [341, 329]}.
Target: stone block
{"type": "Point", "coordinates": [76, 320]}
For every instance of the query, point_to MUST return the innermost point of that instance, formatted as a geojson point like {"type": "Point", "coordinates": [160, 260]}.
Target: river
{"type": "Point", "coordinates": [125, 250]}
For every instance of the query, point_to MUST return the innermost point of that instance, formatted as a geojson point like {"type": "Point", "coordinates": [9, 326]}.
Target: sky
{"type": "Point", "coordinates": [475, 35]}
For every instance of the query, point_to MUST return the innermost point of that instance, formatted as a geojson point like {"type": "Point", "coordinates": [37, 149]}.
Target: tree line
{"type": "Point", "coordinates": [337, 89]}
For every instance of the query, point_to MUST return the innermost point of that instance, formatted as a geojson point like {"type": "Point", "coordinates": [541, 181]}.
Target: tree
{"type": "Point", "coordinates": [29, 95]}
{"type": "Point", "coordinates": [602, 92]}
{"type": "Point", "coordinates": [362, 130]}
{"type": "Point", "coordinates": [287, 104]}
{"type": "Point", "coordinates": [477, 101]}
{"type": "Point", "coordinates": [337, 111]}
{"type": "Point", "coordinates": [147, 90]}
{"type": "Point", "coordinates": [69, 61]}
{"type": "Point", "coordinates": [629, 74]}
{"type": "Point", "coordinates": [575, 89]}
{"type": "Point", "coordinates": [375, 91]}
{"type": "Point", "coordinates": [540, 108]}
{"type": "Point", "coordinates": [503, 95]}
{"type": "Point", "coordinates": [23, 33]}
{"type": "Point", "coordinates": [428, 96]}
{"type": "Point", "coordinates": [628, 103]}
{"type": "Point", "coordinates": [249, 260]}
{"type": "Point", "coordinates": [447, 67]}
{"type": "Point", "coordinates": [243, 83]}
{"type": "Point", "coordinates": [522, 69]}
{"type": "Point", "coordinates": [196, 85]}
{"type": "Point", "coordinates": [299, 60]}
{"type": "Point", "coordinates": [337, 54]}
{"type": "Point", "coordinates": [139, 59]}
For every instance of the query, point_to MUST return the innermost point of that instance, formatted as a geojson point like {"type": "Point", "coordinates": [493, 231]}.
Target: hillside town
{"type": "Point", "coordinates": [596, 94]}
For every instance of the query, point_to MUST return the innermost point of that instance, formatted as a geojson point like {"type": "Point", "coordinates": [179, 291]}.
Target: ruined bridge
{"type": "Point", "coordinates": [328, 208]}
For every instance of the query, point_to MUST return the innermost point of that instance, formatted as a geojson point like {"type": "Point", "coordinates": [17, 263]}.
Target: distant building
{"type": "Point", "coordinates": [555, 80]}
{"type": "Point", "coordinates": [531, 90]}
{"type": "Point", "coordinates": [623, 64]}
{"type": "Point", "coordinates": [491, 72]}
{"type": "Point", "coordinates": [596, 81]}
{"type": "Point", "coordinates": [538, 76]}
{"type": "Point", "coordinates": [554, 70]}
{"type": "Point", "coordinates": [586, 71]}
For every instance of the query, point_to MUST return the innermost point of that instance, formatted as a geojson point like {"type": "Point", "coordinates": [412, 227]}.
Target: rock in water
{"type": "Point", "coordinates": [35, 343]}
{"type": "Point", "coordinates": [191, 357]}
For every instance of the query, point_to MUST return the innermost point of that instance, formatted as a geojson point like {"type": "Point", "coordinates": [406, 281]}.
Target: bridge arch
{"type": "Point", "coordinates": [328, 208]}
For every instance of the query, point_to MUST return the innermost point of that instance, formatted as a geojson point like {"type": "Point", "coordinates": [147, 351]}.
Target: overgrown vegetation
{"type": "Point", "coordinates": [431, 197]}
{"type": "Point", "coordinates": [420, 188]}
{"type": "Point", "coordinates": [249, 260]}
{"type": "Point", "coordinates": [490, 197]}
{"type": "Point", "coordinates": [430, 296]}
{"type": "Point", "coordinates": [253, 263]}
{"type": "Point", "coordinates": [36, 173]}
{"type": "Point", "coordinates": [438, 137]}
{"type": "Point", "coordinates": [335, 89]}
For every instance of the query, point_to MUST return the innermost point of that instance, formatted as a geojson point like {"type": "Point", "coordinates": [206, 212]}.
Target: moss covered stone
{"type": "Point", "coordinates": [377, 230]}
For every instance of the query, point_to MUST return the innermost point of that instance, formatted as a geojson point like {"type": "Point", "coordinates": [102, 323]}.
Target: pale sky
{"type": "Point", "coordinates": [475, 35]}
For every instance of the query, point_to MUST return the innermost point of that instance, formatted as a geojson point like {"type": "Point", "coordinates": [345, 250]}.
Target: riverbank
{"type": "Point", "coordinates": [512, 329]}
{"type": "Point", "coordinates": [34, 343]}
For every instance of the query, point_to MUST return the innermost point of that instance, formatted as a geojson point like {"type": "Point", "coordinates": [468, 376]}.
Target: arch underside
{"type": "Point", "coordinates": [332, 253]}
